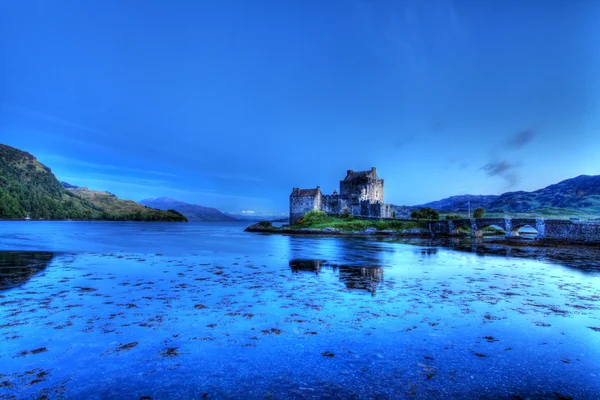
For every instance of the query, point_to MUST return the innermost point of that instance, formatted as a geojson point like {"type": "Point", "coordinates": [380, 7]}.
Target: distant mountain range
{"type": "Point", "coordinates": [580, 196]}
{"type": "Point", "coordinates": [29, 189]}
{"type": "Point", "coordinates": [193, 212]}
{"type": "Point", "coordinates": [260, 217]}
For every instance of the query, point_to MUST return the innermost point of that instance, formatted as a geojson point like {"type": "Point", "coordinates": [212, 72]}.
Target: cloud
{"type": "Point", "coordinates": [102, 167]}
{"type": "Point", "coordinates": [239, 177]}
{"type": "Point", "coordinates": [153, 190]}
{"type": "Point", "coordinates": [404, 141]}
{"type": "Point", "coordinates": [51, 118]}
{"type": "Point", "coordinates": [503, 169]}
{"type": "Point", "coordinates": [521, 139]}
{"type": "Point", "coordinates": [263, 213]}
{"type": "Point", "coordinates": [458, 163]}
{"type": "Point", "coordinates": [497, 168]}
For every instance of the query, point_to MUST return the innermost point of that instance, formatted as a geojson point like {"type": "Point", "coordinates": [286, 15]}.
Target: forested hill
{"type": "Point", "coordinates": [29, 188]}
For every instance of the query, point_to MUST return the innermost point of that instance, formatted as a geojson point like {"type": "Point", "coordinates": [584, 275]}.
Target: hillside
{"type": "Point", "coordinates": [118, 209]}
{"type": "Point", "coordinates": [193, 212]}
{"type": "Point", "coordinates": [29, 188]}
{"type": "Point", "coordinates": [454, 203]}
{"type": "Point", "coordinates": [578, 196]}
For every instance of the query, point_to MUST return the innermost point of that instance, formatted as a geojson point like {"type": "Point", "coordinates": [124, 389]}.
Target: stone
{"type": "Point", "coordinates": [361, 194]}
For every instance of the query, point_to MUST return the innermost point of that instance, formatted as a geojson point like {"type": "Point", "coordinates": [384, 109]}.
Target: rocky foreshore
{"type": "Point", "coordinates": [267, 227]}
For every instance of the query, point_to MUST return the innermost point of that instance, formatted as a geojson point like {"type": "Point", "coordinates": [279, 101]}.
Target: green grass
{"type": "Point", "coordinates": [320, 220]}
{"type": "Point", "coordinates": [492, 230]}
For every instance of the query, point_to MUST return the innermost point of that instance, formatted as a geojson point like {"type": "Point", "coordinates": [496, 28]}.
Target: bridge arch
{"type": "Point", "coordinates": [498, 226]}
{"type": "Point", "coordinates": [458, 225]}
{"type": "Point", "coordinates": [516, 230]}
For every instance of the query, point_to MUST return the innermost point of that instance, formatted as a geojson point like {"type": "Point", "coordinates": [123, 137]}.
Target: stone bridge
{"type": "Point", "coordinates": [547, 229]}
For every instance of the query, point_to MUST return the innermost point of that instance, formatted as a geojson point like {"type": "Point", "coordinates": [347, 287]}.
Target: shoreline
{"type": "Point", "coordinates": [417, 234]}
{"type": "Point", "coordinates": [79, 220]}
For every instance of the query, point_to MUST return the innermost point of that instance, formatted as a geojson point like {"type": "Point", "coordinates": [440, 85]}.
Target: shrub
{"type": "Point", "coordinates": [478, 213]}
{"type": "Point", "coordinates": [314, 217]}
{"type": "Point", "coordinates": [345, 213]}
{"type": "Point", "coordinates": [265, 224]}
{"type": "Point", "coordinates": [453, 216]}
{"type": "Point", "coordinates": [425, 213]}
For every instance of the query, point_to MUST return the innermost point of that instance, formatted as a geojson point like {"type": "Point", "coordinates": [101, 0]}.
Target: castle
{"type": "Point", "coordinates": [361, 194]}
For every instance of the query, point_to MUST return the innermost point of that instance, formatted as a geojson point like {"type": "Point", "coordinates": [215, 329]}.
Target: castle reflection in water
{"type": "Point", "coordinates": [354, 277]}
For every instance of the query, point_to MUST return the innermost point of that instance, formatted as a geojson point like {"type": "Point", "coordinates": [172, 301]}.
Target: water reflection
{"type": "Point", "coordinates": [582, 258]}
{"type": "Point", "coordinates": [307, 265]}
{"type": "Point", "coordinates": [361, 278]}
{"type": "Point", "coordinates": [17, 267]}
{"type": "Point", "coordinates": [355, 277]}
{"type": "Point", "coordinates": [427, 251]}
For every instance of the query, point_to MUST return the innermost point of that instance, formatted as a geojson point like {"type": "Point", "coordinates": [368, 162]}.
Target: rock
{"type": "Point", "coordinates": [370, 231]}
{"type": "Point", "coordinates": [331, 230]}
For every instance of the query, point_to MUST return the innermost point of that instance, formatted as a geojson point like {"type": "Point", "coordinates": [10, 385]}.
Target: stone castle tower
{"type": "Point", "coordinates": [361, 194]}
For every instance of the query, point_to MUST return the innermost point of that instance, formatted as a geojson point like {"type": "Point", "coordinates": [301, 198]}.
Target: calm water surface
{"type": "Point", "coordinates": [204, 310]}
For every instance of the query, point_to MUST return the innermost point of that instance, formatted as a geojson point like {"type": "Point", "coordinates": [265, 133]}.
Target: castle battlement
{"type": "Point", "coordinates": [361, 194]}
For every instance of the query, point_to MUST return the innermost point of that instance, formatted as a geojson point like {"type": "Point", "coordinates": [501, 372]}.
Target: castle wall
{"type": "Point", "coordinates": [331, 204]}
{"type": "Point", "coordinates": [299, 205]}
{"type": "Point", "coordinates": [366, 189]}
{"type": "Point", "coordinates": [361, 194]}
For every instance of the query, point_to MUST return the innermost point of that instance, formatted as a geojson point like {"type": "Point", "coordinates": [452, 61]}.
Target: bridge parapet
{"type": "Point", "coordinates": [548, 229]}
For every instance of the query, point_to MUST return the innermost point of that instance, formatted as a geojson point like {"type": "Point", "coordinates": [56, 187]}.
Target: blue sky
{"type": "Point", "coordinates": [232, 103]}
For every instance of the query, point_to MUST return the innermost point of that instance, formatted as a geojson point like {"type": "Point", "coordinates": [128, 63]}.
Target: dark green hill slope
{"type": "Point", "coordinates": [29, 188]}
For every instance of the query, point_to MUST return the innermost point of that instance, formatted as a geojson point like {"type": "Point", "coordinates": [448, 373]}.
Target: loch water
{"type": "Point", "coordinates": [101, 310]}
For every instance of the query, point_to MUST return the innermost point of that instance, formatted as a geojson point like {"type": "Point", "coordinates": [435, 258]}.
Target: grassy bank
{"type": "Point", "coordinates": [320, 220]}
{"type": "Point", "coordinates": [350, 224]}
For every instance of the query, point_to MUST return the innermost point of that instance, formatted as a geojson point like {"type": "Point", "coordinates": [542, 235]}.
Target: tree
{"type": "Point", "coordinates": [425, 213]}
{"type": "Point", "coordinates": [478, 213]}
{"type": "Point", "coordinates": [453, 216]}
{"type": "Point", "coordinates": [432, 214]}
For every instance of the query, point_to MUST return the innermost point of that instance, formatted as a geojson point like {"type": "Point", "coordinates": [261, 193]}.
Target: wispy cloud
{"type": "Point", "coordinates": [499, 166]}
{"type": "Point", "coordinates": [51, 118]}
{"type": "Point", "coordinates": [238, 177]}
{"type": "Point", "coordinates": [503, 169]}
{"type": "Point", "coordinates": [520, 139]}
{"type": "Point", "coordinates": [101, 167]}
{"type": "Point", "coordinates": [258, 213]}
{"type": "Point", "coordinates": [157, 189]}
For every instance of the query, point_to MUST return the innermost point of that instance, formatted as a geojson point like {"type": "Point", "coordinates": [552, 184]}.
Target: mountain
{"type": "Point", "coordinates": [575, 196]}
{"type": "Point", "coordinates": [193, 212]}
{"type": "Point", "coordinates": [454, 203]}
{"type": "Point", "coordinates": [29, 188]}
{"type": "Point", "coordinates": [68, 185]}
{"type": "Point", "coordinates": [118, 209]}
{"type": "Point", "coordinates": [260, 217]}
{"type": "Point", "coordinates": [581, 193]}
